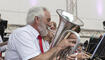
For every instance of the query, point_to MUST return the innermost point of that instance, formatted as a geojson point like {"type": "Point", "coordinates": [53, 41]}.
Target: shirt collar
{"type": "Point", "coordinates": [34, 30]}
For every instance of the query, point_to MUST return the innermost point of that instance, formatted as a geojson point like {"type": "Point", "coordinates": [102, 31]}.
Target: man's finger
{"type": "Point", "coordinates": [70, 58]}
{"type": "Point", "coordinates": [71, 39]}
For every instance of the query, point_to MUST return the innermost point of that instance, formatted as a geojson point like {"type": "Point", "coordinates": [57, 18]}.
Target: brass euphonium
{"type": "Point", "coordinates": [67, 26]}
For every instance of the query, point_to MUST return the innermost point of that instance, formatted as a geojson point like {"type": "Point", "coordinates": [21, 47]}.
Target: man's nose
{"type": "Point", "coordinates": [49, 24]}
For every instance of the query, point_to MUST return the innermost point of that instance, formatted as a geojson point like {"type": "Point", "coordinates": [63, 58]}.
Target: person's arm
{"type": "Point", "coordinates": [3, 43]}
{"type": "Point", "coordinates": [49, 55]}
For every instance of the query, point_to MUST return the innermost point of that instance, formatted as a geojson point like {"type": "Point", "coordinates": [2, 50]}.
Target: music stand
{"type": "Point", "coordinates": [100, 49]}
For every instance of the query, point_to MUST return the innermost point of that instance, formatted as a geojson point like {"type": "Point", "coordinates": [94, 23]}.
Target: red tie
{"type": "Point", "coordinates": [0, 54]}
{"type": "Point", "coordinates": [40, 43]}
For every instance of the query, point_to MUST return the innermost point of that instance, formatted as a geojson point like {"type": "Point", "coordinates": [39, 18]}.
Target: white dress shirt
{"type": "Point", "coordinates": [23, 44]}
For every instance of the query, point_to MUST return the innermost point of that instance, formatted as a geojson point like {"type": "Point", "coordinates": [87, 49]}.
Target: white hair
{"type": "Point", "coordinates": [35, 11]}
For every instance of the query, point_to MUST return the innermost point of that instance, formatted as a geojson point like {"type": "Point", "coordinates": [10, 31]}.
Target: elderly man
{"type": "Point", "coordinates": [26, 43]}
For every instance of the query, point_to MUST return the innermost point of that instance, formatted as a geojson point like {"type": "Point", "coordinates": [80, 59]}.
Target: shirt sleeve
{"type": "Point", "coordinates": [25, 45]}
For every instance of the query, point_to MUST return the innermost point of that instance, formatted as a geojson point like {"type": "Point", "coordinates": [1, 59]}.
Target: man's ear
{"type": "Point", "coordinates": [36, 19]}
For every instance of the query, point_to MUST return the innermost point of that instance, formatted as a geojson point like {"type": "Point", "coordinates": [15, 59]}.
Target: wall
{"type": "Point", "coordinates": [15, 10]}
{"type": "Point", "coordinates": [91, 12]}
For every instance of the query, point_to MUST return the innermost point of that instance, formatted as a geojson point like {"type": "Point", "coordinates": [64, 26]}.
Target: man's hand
{"type": "Point", "coordinates": [81, 56]}
{"type": "Point", "coordinates": [66, 42]}
{"type": "Point", "coordinates": [78, 56]}
{"type": "Point", "coordinates": [71, 57]}
{"type": "Point", "coordinates": [71, 41]}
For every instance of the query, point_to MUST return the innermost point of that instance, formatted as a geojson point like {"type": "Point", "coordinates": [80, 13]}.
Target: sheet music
{"type": "Point", "coordinates": [100, 43]}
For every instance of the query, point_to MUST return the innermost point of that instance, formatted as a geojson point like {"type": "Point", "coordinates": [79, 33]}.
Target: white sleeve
{"type": "Point", "coordinates": [25, 45]}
